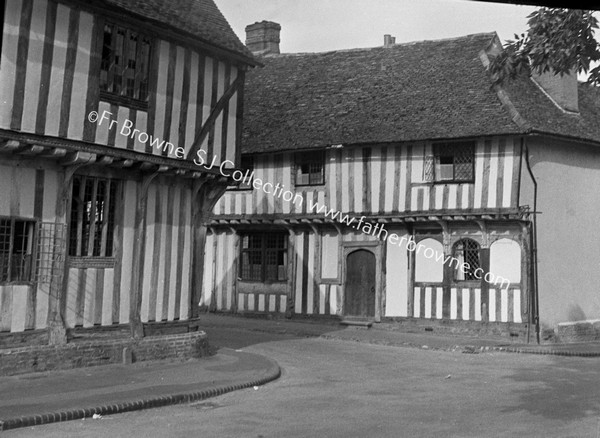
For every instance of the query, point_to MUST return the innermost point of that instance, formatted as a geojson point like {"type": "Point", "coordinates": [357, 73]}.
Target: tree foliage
{"type": "Point", "coordinates": [558, 41]}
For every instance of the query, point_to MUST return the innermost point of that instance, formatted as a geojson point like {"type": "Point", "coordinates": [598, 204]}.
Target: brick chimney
{"type": "Point", "coordinates": [388, 40]}
{"type": "Point", "coordinates": [263, 38]}
{"type": "Point", "coordinates": [561, 89]}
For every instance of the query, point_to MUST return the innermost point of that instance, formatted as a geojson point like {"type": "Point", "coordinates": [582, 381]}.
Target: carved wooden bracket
{"type": "Point", "coordinates": [485, 241]}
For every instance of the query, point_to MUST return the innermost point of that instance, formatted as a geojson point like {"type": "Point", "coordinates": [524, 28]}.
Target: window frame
{"type": "Point", "coordinates": [309, 158]}
{"type": "Point", "coordinates": [85, 230]}
{"type": "Point", "coordinates": [264, 251]}
{"type": "Point", "coordinates": [470, 274]}
{"type": "Point", "coordinates": [244, 169]}
{"type": "Point", "coordinates": [440, 147]}
{"type": "Point", "coordinates": [31, 245]}
{"type": "Point", "coordinates": [140, 77]}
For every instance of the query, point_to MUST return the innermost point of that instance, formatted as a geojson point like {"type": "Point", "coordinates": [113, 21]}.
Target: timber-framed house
{"type": "Point", "coordinates": [104, 104]}
{"type": "Point", "coordinates": [467, 197]}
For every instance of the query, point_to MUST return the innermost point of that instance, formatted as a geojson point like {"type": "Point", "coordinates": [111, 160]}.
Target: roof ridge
{"type": "Point", "coordinates": [395, 45]}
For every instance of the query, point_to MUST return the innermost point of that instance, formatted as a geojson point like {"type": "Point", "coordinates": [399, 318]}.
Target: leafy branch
{"type": "Point", "coordinates": [558, 40]}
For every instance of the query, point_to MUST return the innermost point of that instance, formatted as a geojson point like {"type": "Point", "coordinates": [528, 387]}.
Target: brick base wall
{"type": "Point", "coordinates": [511, 331]}
{"type": "Point", "coordinates": [101, 352]}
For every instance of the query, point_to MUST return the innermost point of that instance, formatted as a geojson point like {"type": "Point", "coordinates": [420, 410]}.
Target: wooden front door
{"type": "Point", "coordinates": [359, 289]}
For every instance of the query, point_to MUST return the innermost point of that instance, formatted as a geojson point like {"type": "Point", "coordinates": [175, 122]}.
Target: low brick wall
{"type": "Point", "coordinates": [579, 331]}
{"type": "Point", "coordinates": [101, 352]}
{"type": "Point", "coordinates": [511, 331]}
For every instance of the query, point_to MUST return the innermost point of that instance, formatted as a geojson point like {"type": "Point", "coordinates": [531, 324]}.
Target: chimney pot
{"type": "Point", "coordinates": [262, 38]}
{"type": "Point", "coordinates": [388, 40]}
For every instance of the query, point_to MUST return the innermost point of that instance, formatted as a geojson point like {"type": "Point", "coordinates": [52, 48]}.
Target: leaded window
{"type": "Point", "coordinates": [92, 221]}
{"type": "Point", "coordinates": [264, 256]}
{"type": "Point", "coordinates": [467, 253]}
{"type": "Point", "coordinates": [125, 65]}
{"type": "Point", "coordinates": [452, 162]}
{"type": "Point", "coordinates": [16, 250]}
{"type": "Point", "coordinates": [310, 168]}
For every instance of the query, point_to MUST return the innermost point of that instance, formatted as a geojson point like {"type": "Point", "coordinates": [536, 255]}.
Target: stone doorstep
{"type": "Point", "coordinates": [367, 323]}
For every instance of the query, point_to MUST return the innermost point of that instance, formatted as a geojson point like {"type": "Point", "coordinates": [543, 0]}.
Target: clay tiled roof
{"type": "Point", "coordinates": [201, 19]}
{"type": "Point", "coordinates": [544, 117]}
{"type": "Point", "coordinates": [406, 92]}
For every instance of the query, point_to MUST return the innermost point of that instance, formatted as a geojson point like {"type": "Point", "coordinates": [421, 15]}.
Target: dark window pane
{"type": "Point", "coordinates": [454, 161]}
{"type": "Point", "coordinates": [5, 238]}
{"type": "Point", "coordinates": [92, 218]}
{"type": "Point", "coordinates": [247, 166]}
{"type": "Point", "coordinates": [16, 249]}
{"type": "Point", "coordinates": [467, 251]}
{"type": "Point", "coordinates": [264, 257]}
{"type": "Point", "coordinates": [310, 168]}
{"type": "Point", "coordinates": [125, 64]}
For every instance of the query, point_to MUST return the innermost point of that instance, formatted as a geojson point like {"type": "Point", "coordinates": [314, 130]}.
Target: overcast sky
{"type": "Point", "coordinates": [323, 25]}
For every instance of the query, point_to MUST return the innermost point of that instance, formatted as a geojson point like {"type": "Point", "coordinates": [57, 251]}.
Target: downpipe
{"type": "Point", "coordinates": [534, 304]}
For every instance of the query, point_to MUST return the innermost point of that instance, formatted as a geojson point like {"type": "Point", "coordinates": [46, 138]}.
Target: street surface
{"type": "Point", "coordinates": [336, 388]}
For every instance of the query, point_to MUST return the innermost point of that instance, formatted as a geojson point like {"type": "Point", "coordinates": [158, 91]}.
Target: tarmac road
{"type": "Point", "coordinates": [337, 388]}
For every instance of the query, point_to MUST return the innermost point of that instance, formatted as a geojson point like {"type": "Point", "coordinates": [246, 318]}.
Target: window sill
{"type": "Point", "coordinates": [453, 182]}
{"type": "Point", "coordinates": [92, 262]}
{"type": "Point", "coordinates": [263, 281]}
{"type": "Point", "coordinates": [310, 185]}
{"type": "Point", "coordinates": [17, 283]}
{"type": "Point", "coordinates": [237, 189]}
{"type": "Point", "coordinates": [330, 281]}
{"type": "Point", "coordinates": [124, 101]}
{"type": "Point", "coordinates": [467, 283]}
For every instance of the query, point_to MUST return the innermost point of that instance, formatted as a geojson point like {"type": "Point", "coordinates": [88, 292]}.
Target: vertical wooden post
{"type": "Point", "coordinates": [198, 242]}
{"type": "Point", "coordinates": [448, 271]}
{"type": "Point", "coordinates": [234, 269]}
{"type": "Point", "coordinates": [57, 301]}
{"type": "Point", "coordinates": [206, 194]}
{"type": "Point", "coordinates": [383, 270]}
{"type": "Point", "coordinates": [410, 309]}
{"type": "Point", "coordinates": [139, 248]}
{"type": "Point", "coordinates": [485, 286]}
{"type": "Point", "coordinates": [484, 254]}
{"type": "Point", "coordinates": [291, 272]}
{"type": "Point", "coordinates": [526, 260]}
{"type": "Point", "coordinates": [316, 274]}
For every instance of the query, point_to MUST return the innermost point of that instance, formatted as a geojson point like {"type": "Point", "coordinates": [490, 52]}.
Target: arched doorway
{"type": "Point", "coordinates": [359, 291]}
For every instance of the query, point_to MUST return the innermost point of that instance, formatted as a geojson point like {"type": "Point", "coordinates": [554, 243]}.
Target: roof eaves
{"type": "Point", "coordinates": [244, 56]}
{"type": "Point", "coordinates": [573, 138]}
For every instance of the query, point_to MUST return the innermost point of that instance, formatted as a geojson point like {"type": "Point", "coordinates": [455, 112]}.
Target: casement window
{"type": "Point", "coordinates": [264, 257]}
{"type": "Point", "coordinates": [467, 253]}
{"type": "Point", "coordinates": [246, 167]}
{"type": "Point", "coordinates": [451, 162]}
{"type": "Point", "coordinates": [310, 168]}
{"type": "Point", "coordinates": [16, 250]}
{"type": "Point", "coordinates": [92, 220]}
{"type": "Point", "coordinates": [125, 65]}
